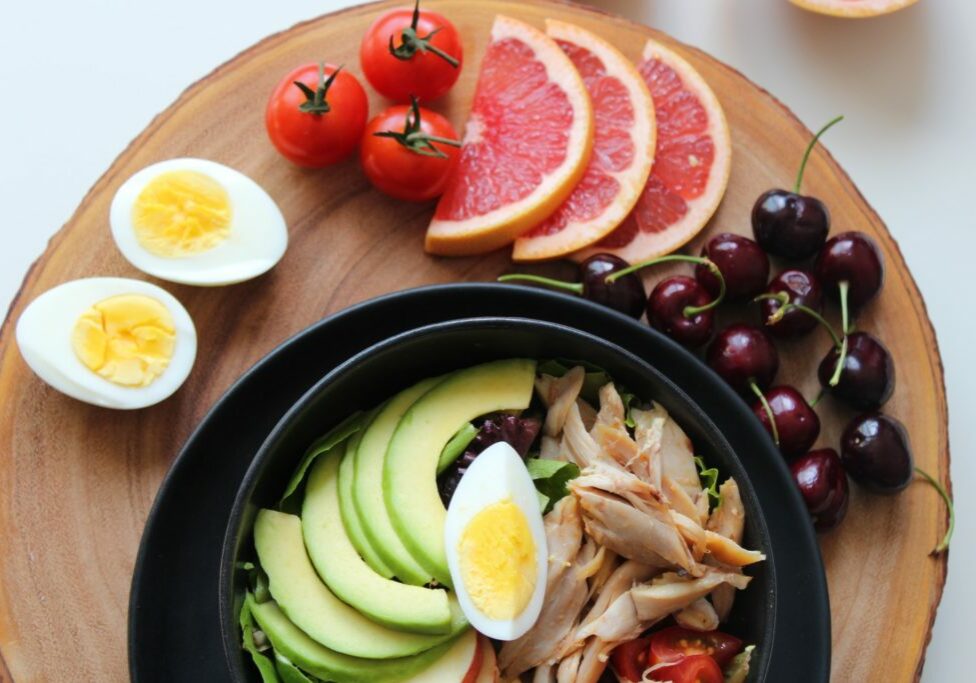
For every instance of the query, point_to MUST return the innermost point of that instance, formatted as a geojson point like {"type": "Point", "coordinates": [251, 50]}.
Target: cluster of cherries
{"type": "Point", "coordinates": [856, 370]}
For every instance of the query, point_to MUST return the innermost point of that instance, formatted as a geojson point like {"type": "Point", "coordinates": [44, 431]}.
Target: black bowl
{"type": "Point", "coordinates": [377, 373]}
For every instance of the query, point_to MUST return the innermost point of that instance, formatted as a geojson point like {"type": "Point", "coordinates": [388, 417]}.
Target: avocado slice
{"type": "Point", "coordinates": [368, 485]}
{"type": "Point", "coordinates": [397, 605]}
{"type": "Point", "coordinates": [311, 606]}
{"type": "Point", "coordinates": [455, 448]}
{"type": "Point", "coordinates": [410, 470]}
{"type": "Point", "coordinates": [321, 662]}
{"type": "Point", "coordinates": [350, 516]}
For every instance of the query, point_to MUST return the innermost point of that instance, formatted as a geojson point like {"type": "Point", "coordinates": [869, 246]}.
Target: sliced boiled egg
{"type": "Point", "coordinates": [108, 341]}
{"type": "Point", "coordinates": [197, 222]}
{"type": "Point", "coordinates": [496, 545]}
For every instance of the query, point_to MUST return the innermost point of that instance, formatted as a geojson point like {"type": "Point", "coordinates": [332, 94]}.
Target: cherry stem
{"type": "Point", "coordinates": [411, 42]}
{"type": "Point", "coordinates": [806, 154]}
{"type": "Point", "coordinates": [845, 324]}
{"type": "Point", "coordinates": [766, 407]}
{"type": "Point", "coordinates": [690, 311]}
{"type": "Point", "coordinates": [839, 368]}
{"type": "Point", "coordinates": [944, 544]}
{"type": "Point", "coordinates": [785, 306]}
{"type": "Point", "coordinates": [845, 314]}
{"type": "Point", "coordinates": [816, 400]}
{"type": "Point", "coordinates": [575, 287]}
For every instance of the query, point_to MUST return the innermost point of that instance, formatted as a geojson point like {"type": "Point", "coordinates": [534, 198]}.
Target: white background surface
{"type": "Point", "coordinates": [78, 80]}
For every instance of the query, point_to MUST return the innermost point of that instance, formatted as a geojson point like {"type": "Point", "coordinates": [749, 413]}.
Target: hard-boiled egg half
{"type": "Point", "coordinates": [197, 222]}
{"type": "Point", "coordinates": [496, 545]}
{"type": "Point", "coordinates": [108, 341]}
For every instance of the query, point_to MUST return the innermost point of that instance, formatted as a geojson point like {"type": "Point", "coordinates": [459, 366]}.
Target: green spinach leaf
{"type": "Point", "coordinates": [323, 444]}
{"type": "Point", "coordinates": [551, 478]}
{"type": "Point", "coordinates": [262, 661]}
{"type": "Point", "coordinates": [709, 479]}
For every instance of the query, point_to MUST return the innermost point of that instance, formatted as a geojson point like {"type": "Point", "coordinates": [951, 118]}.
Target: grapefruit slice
{"type": "Point", "coordinates": [526, 145]}
{"type": "Point", "coordinates": [857, 9]}
{"type": "Point", "coordinates": [691, 163]}
{"type": "Point", "coordinates": [623, 149]}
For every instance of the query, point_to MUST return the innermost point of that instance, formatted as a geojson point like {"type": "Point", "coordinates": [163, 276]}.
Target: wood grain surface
{"type": "Point", "coordinates": [76, 481]}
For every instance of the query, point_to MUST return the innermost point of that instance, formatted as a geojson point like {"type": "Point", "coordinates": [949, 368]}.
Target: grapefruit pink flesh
{"type": "Point", "coordinates": [691, 162]}
{"type": "Point", "coordinates": [623, 149]}
{"type": "Point", "coordinates": [527, 142]}
{"type": "Point", "coordinates": [856, 9]}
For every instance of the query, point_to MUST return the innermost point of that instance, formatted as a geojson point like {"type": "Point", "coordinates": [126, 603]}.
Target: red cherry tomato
{"type": "Point", "coordinates": [411, 52]}
{"type": "Point", "coordinates": [409, 159]}
{"type": "Point", "coordinates": [674, 643]}
{"type": "Point", "coordinates": [693, 669]}
{"type": "Point", "coordinates": [320, 121]}
{"type": "Point", "coordinates": [630, 659]}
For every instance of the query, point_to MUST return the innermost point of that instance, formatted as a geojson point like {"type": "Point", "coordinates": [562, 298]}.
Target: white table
{"type": "Point", "coordinates": [80, 79]}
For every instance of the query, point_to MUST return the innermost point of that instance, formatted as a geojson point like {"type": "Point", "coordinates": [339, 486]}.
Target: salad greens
{"type": "Point", "coordinates": [269, 673]}
{"type": "Point", "coordinates": [551, 478]}
{"type": "Point", "coordinates": [709, 479]}
{"type": "Point", "coordinates": [290, 673]}
{"type": "Point", "coordinates": [323, 444]}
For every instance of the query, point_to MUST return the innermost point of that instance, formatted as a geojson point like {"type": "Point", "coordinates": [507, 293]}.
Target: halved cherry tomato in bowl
{"type": "Point", "coordinates": [691, 669]}
{"type": "Point", "coordinates": [316, 115]}
{"type": "Point", "coordinates": [409, 152]}
{"type": "Point", "coordinates": [630, 659]}
{"type": "Point", "coordinates": [674, 643]}
{"type": "Point", "coordinates": [411, 53]}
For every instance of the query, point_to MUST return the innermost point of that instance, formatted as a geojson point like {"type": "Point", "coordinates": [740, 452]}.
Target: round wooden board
{"type": "Point", "coordinates": [76, 482]}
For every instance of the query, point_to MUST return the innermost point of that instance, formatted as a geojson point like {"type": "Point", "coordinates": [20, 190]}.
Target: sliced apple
{"type": "Point", "coordinates": [488, 672]}
{"type": "Point", "coordinates": [456, 663]}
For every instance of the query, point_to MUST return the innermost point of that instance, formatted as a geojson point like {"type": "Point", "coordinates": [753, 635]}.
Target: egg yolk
{"type": "Point", "coordinates": [127, 339]}
{"type": "Point", "coordinates": [497, 557]}
{"type": "Point", "coordinates": [180, 213]}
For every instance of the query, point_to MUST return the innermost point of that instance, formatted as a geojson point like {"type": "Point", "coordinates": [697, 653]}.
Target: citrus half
{"type": "Point", "coordinates": [527, 143]}
{"type": "Point", "coordinates": [857, 9]}
{"type": "Point", "coordinates": [623, 149]}
{"type": "Point", "coordinates": [691, 163]}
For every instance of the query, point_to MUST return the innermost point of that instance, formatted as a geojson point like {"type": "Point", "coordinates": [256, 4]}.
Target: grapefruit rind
{"type": "Point", "coordinates": [853, 9]}
{"type": "Point", "coordinates": [646, 246]}
{"type": "Point", "coordinates": [577, 234]}
{"type": "Point", "coordinates": [499, 227]}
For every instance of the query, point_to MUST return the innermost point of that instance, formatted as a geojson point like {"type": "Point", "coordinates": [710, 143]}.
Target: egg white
{"type": "Point", "coordinates": [497, 474]}
{"type": "Point", "coordinates": [257, 240]}
{"type": "Point", "coordinates": [44, 339]}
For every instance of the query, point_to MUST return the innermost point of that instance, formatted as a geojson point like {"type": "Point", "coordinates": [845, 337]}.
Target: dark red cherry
{"type": "Point", "coordinates": [867, 378]}
{"type": "Point", "coordinates": [787, 224]}
{"type": "Point", "coordinates": [854, 258]}
{"type": "Point", "coordinates": [803, 289]}
{"type": "Point", "coordinates": [797, 424]}
{"type": "Point", "coordinates": [876, 453]}
{"type": "Point", "coordinates": [744, 356]}
{"type": "Point", "coordinates": [823, 485]}
{"type": "Point", "coordinates": [742, 263]}
{"type": "Point", "coordinates": [667, 307]}
{"type": "Point", "coordinates": [790, 225]}
{"type": "Point", "coordinates": [626, 295]}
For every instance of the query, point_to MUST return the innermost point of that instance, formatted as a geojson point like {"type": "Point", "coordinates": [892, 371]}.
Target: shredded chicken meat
{"type": "Point", "coordinates": [633, 543]}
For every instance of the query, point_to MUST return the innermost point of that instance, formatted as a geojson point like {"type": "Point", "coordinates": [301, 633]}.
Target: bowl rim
{"type": "Point", "coordinates": [297, 412]}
